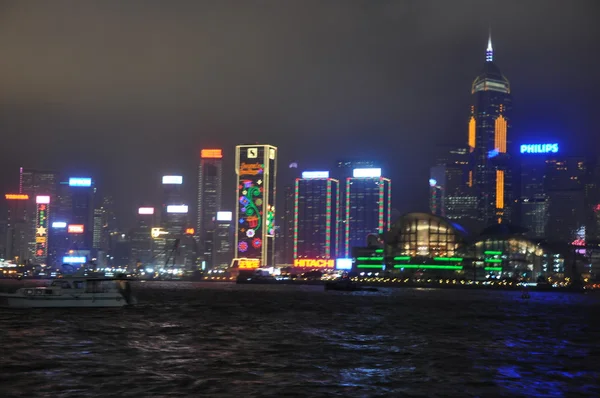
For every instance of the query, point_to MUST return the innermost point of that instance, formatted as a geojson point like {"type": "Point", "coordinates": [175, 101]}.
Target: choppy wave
{"type": "Point", "coordinates": [203, 339]}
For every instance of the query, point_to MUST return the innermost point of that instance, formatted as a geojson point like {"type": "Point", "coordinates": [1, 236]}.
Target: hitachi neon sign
{"type": "Point", "coordinates": [539, 148]}
{"type": "Point", "coordinates": [313, 263]}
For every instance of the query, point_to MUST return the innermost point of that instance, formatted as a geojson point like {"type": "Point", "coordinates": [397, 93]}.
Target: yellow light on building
{"type": "Point", "coordinates": [500, 189]}
{"type": "Point", "coordinates": [500, 134]}
{"type": "Point", "coordinates": [472, 128]}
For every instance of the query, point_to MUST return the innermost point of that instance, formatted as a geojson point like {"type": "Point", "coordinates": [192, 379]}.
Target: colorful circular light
{"type": "Point", "coordinates": [250, 233]}
{"type": "Point", "coordinates": [258, 202]}
{"type": "Point", "coordinates": [256, 243]}
{"type": "Point", "coordinates": [243, 246]}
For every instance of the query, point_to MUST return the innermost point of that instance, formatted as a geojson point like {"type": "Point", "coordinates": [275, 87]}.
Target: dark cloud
{"type": "Point", "coordinates": [128, 90]}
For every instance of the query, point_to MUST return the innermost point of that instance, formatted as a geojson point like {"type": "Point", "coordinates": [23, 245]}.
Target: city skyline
{"type": "Point", "coordinates": [436, 69]}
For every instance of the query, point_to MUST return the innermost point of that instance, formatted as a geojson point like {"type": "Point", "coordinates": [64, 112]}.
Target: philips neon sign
{"type": "Point", "coordinates": [539, 148]}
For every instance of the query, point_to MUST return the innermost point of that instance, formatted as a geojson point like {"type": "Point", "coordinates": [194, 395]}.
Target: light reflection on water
{"type": "Point", "coordinates": [191, 339]}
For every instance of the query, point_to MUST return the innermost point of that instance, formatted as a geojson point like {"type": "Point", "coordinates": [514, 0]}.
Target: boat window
{"type": "Point", "coordinates": [65, 285]}
{"type": "Point", "coordinates": [93, 287]}
{"type": "Point", "coordinates": [78, 285]}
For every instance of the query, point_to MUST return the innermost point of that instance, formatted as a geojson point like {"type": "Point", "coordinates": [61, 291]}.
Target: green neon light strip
{"type": "Point", "coordinates": [369, 258]}
{"type": "Point", "coordinates": [369, 266]}
{"type": "Point", "coordinates": [448, 258]}
{"type": "Point", "coordinates": [493, 260]}
{"type": "Point", "coordinates": [402, 258]}
{"type": "Point", "coordinates": [492, 253]}
{"type": "Point", "coordinates": [493, 268]}
{"type": "Point", "coordinates": [379, 251]}
{"type": "Point", "coordinates": [429, 266]}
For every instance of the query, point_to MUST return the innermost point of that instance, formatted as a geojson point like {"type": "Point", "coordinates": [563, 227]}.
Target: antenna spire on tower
{"type": "Point", "coordinates": [489, 53]}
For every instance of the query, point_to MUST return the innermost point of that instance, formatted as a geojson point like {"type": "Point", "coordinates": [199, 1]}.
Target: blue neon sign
{"type": "Point", "coordinates": [74, 259]}
{"type": "Point", "coordinates": [80, 182]}
{"type": "Point", "coordinates": [539, 148]}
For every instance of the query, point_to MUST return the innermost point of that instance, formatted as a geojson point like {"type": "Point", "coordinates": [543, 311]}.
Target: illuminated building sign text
{"type": "Point", "coordinates": [314, 263]}
{"type": "Point", "coordinates": [539, 148]}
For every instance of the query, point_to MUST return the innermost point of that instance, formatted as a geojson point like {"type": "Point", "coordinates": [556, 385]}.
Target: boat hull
{"type": "Point", "coordinates": [17, 301]}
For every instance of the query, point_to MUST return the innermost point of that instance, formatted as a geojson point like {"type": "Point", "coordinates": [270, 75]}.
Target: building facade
{"type": "Point", "coordinates": [210, 189]}
{"type": "Point", "coordinates": [316, 216]}
{"type": "Point", "coordinates": [256, 170]}
{"type": "Point", "coordinates": [489, 130]}
{"type": "Point", "coordinates": [367, 207]}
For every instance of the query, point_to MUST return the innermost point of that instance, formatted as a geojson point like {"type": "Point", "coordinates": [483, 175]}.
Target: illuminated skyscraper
{"type": "Point", "coordinates": [223, 240]}
{"type": "Point", "coordinates": [316, 216]}
{"type": "Point", "coordinates": [256, 169]}
{"type": "Point", "coordinates": [210, 189]}
{"type": "Point", "coordinates": [72, 219]}
{"type": "Point", "coordinates": [33, 183]}
{"type": "Point", "coordinates": [368, 207]}
{"type": "Point", "coordinates": [20, 218]}
{"type": "Point", "coordinates": [489, 129]}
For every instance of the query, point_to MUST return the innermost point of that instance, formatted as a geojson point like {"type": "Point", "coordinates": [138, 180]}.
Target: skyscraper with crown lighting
{"type": "Point", "coordinates": [488, 139]}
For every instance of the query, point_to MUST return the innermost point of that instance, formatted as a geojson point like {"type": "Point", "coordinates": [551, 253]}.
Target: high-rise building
{"type": "Point", "coordinates": [72, 220]}
{"type": "Point", "coordinates": [367, 208]}
{"type": "Point", "coordinates": [141, 242]}
{"type": "Point", "coordinates": [210, 189]}
{"type": "Point", "coordinates": [450, 193]}
{"type": "Point", "coordinates": [256, 169]}
{"type": "Point", "coordinates": [223, 240]}
{"type": "Point", "coordinates": [565, 187]}
{"type": "Point", "coordinates": [175, 213]}
{"type": "Point", "coordinates": [316, 216]}
{"type": "Point", "coordinates": [489, 130]}
{"type": "Point", "coordinates": [288, 224]}
{"type": "Point", "coordinates": [34, 182]}
{"type": "Point", "coordinates": [18, 225]}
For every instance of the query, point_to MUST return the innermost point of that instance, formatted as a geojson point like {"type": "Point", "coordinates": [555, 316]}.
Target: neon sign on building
{"type": "Point", "coordinates": [314, 263]}
{"type": "Point", "coordinates": [539, 148]}
{"type": "Point", "coordinates": [80, 182]}
{"type": "Point", "coordinates": [256, 169]}
{"type": "Point", "coordinates": [41, 228]}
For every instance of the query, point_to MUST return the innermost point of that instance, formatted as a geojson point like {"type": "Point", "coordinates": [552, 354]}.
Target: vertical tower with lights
{"type": "Point", "coordinates": [489, 129]}
{"type": "Point", "coordinates": [210, 188]}
{"type": "Point", "coordinates": [368, 211]}
{"type": "Point", "coordinates": [41, 228]}
{"type": "Point", "coordinates": [316, 216]}
{"type": "Point", "coordinates": [256, 170]}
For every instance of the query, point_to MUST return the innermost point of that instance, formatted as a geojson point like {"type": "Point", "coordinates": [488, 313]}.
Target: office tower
{"type": "Point", "coordinates": [368, 207]}
{"type": "Point", "coordinates": [450, 194]}
{"type": "Point", "coordinates": [223, 240]}
{"type": "Point", "coordinates": [565, 187]}
{"type": "Point", "coordinates": [34, 182]}
{"type": "Point", "coordinates": [37, 182]}
{"type": "Point", "coordinates": [72, 220]}
{"type": "Point", "coordinates": [489, 131]}
{"type": "Point", "coordinates": [288, 224]}
{"type": "Point", "coordinates": [256, 169]}
{"type": "Point", "coordinates": [18, 225]}
{"type": "Point", "coordinates": [141, 242]}
{"type": "Point", "coordinates": [175, 217]}
{"type": "Point", "coordinates": [316, 216]}
{"type": "Point", "coordinates": [210, 189]}
{"type": "Point", "coordinates": [533, 200]}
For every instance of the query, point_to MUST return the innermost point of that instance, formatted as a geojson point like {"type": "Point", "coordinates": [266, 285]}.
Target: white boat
{"type": "Point", "coordinates": [72, 292]}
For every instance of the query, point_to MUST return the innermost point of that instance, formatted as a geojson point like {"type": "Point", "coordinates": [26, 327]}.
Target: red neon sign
{"type": "Point", "coordinates": [75, 229]}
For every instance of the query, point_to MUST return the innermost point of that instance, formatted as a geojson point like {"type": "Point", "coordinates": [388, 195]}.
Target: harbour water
{"type": "Point", "coordinates": [218, 339]}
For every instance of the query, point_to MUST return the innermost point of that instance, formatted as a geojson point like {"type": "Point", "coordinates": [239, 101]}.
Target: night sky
{"type": "Point", "coordinates": [126, 91]}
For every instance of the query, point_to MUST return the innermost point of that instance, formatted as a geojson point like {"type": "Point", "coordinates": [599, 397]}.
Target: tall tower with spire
{"type": "Point", "coordinates": [489, 130]}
